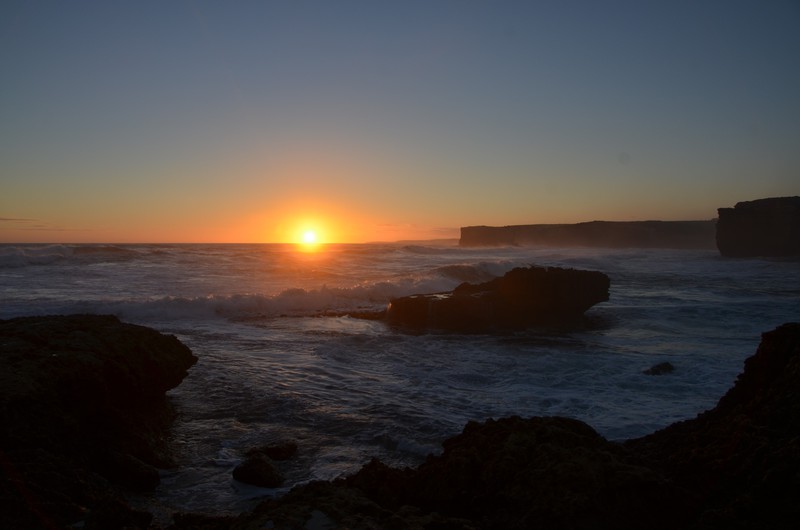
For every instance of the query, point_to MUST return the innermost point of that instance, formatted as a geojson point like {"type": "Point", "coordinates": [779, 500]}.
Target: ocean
{"type": "Point", "coordinates": [280, 360]}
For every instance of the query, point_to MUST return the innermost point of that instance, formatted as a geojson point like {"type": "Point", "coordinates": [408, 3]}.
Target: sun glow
{"type": "Point", "coordinates": [309, 237]}
{"type": "Point", "coordinates": [312, 224]}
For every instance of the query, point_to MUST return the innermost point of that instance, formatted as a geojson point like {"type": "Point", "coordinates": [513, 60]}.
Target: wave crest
{"type": "Point", "coordinates": [17, 256]}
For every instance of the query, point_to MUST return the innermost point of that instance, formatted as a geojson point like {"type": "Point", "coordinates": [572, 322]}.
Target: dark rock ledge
{"type": "Point", "coordinates": [83, 410]}
{"type": "Point", "coordinates": [83, 417]}
{"type": "Point", "coordinates": [735, 466]}
{"type": "Point", "coordinates": [258, 467]}
{"type": "Point", "coordinates": [523, 297]}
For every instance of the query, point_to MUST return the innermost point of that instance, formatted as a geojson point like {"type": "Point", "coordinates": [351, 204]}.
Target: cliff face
{"type": "Point", "coordinates": [614, 234]}
{"type": "Point", "coordinates": [764, 227]}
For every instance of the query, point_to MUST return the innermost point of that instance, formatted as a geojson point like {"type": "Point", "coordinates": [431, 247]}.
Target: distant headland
{"type": "Point", "coordinates": [614, 234]}
{"type": "Point", "coordinates": [763, 227]}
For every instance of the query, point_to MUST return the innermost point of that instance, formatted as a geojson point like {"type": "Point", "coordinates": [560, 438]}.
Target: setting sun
{"type": "Point", "coordinates": [309, 237]}
{"type": "Point", "coordinates": [309, 241]}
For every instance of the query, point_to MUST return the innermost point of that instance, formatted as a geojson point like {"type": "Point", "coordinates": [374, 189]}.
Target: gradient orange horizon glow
{"type": "Point", "coordinates": [287, 219]}
{"type": "Point", "coordinates": [175, 122]}
{"type": "Point", "coordinates": [288, 223]}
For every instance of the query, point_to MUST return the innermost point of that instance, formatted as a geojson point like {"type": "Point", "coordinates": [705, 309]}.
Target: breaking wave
{"type": "Point", "coordinates": [16, 256]}
{"type": "Point", "coordinates": [292, 302]}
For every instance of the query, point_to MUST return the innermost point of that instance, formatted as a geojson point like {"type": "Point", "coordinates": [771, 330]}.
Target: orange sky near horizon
{"type": "Point", "coordinates": [201, 121]}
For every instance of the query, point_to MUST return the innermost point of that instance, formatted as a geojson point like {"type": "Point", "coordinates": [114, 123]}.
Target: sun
{"type": "Point", "coordinates": [309, 237]}
{"type": "Point", "coordinates": [308, 234]}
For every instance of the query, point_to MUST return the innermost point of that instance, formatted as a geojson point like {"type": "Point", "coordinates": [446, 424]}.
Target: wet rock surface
{"type": "Point", "coordinates": [660, 369]}
{"type": "Point", "coordinates": [83, 415]}
{"type": "Point", "coordinates": [521, 298]}
{"type": "Point", "coordinates": [259, 470]}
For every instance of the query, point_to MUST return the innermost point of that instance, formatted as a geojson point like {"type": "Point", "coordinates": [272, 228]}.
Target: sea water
{"type": "Point", "coordinates": [280, 361]}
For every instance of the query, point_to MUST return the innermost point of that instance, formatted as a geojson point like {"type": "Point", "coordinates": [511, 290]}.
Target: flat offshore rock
{"type": "Point", "coordinates": [521, 298]}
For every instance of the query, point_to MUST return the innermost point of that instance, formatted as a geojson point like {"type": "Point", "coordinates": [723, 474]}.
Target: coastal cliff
{"type": "Point", "coordinates": [612, 234]}
{"type": "Point", "coordinates": [764, 227]}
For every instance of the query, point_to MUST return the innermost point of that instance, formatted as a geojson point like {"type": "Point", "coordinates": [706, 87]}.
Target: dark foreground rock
{"type": "Point", "coordinates": [522, 297]}
{"type": "Point", "coordinates": [83, 415]}
{"type": "Point", "coordinates": [259, 470]}
{"type": "Point", "coordinates": [765, 227]}
{"type": "Point", "coordinates": [735, 466]}
{"type": "Point", "coordinates": [660, 369]}
{"type": "Point", "coordinates": [741, 459]}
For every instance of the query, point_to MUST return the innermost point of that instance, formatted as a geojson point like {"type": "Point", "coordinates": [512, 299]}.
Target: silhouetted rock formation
{"type": "Point", "coordinates": [258, 467]}
{"type": "Point", "coordinates": [81, 394]}
{"type": "Point", "coordinates": [660, 369]}
{"type": "Point", "coordinates": [764, 227]}
{"type": "Point", "coordinates": [614, 234]}
{"type": "Point", "coordinates": [740, 461]}
{"type": "Point", "coordinates": [528, 473]}
{"type": "Point", "coordinates": [82, 409]}
{"type": "Point", "coordinates": [735, 466]}
{"type": "Point", "coordinates": [522, 297]}
{"type": "Point", "coordinates": [258, 470]}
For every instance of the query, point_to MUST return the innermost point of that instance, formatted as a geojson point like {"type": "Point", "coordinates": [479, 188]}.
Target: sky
{"type": "Point", "coordinates": [257, 121]}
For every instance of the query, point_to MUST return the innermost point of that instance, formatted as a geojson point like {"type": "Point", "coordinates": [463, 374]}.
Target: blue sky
{"type": "Point", "coordinates": [240, 121]}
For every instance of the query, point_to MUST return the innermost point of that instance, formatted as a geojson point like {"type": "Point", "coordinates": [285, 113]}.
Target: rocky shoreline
{"type": "Point", "coordinates": [84, 418]}
{"type": "Point", "coordinates": [735, 466]}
